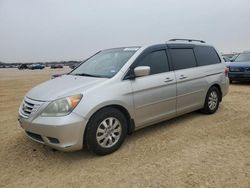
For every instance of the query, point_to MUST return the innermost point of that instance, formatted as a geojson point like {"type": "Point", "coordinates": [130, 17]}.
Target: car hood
{"type": "Point", "coordinates": [239, 64]}
{"type": "Point", "coordinates": [63, 86]}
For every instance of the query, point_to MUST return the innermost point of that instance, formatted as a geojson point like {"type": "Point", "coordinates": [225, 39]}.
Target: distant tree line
{"type": "Point", "coordinates": [47, 64]}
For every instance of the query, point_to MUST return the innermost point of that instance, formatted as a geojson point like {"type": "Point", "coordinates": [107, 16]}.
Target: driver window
{"type": "Point", "coordinates": [157, 61]}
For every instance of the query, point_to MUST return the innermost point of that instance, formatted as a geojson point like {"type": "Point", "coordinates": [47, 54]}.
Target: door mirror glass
{"type": "Point", "coordinates": [142, 71]}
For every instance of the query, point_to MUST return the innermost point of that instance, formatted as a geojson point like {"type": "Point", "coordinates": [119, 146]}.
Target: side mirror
{"type": "Point", "coordinates": [142, 71]}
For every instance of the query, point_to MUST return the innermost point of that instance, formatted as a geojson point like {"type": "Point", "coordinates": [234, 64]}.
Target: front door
{"type": "Point", "coordinates": [154, 95]}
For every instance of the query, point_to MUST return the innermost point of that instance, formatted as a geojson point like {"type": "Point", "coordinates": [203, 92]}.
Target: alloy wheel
{"type": "Point", "coordinates": [108, 132]}
{"type": "Point", "coordinates": [212, 100]}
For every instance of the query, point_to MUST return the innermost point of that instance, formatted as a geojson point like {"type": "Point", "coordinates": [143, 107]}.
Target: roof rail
{"type": "Point", "coordinates": [189, 40]}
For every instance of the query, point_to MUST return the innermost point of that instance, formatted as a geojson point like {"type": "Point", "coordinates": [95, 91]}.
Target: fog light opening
{"type": "Point", "coordinates": [53, 140]}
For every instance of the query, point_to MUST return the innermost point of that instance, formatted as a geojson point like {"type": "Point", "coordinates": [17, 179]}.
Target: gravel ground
{"type": "Point", "coordinates": [194, 150]}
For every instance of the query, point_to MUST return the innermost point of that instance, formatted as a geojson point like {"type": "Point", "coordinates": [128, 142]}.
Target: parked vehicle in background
{"type": "Point", "coordinates": [2, 65]}
{"type": "Point", "coordinates": [22, 66]}
{"type": "Point", "coordinates": [36, 66]}
{"type": "Point", "coordinates": [56, 66]}
{"type": "Point", "coordinates": [72, 66]}
{"type": "Point", "coordinates": [232, 59]}
{"type": "Point", "coordinates": [120, 90]}
{"type": "Point", "coordinates": [226, 58]}
{"type": "Point", "coordinates": [239, 70]}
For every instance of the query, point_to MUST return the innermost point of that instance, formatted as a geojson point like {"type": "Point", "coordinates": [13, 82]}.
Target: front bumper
{"type": "Point", "coordinates": [239, 76]}
{"type": "Point", "coordinates": [62, 133]}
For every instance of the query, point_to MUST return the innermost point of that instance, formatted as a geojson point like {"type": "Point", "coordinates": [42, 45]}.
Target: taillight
{"type": "Point", "coordinates": [226, 71]}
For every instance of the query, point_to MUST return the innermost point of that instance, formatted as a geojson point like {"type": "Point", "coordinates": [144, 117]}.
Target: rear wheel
{"type": "Point", "coordinates": [106, 131]}
{"type": "Point", "coordinates": [212, 100]}
{"type": "Point", "coordinates": [230, 81]}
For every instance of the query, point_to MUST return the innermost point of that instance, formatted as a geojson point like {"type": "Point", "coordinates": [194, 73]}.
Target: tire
{"type": "Point", "coordinates": [212, 100]}
{"type": "Point", "coordinates": [106, 131]}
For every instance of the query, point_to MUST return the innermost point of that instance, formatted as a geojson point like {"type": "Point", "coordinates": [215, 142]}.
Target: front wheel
{"type": "Point", "coordinates": [106, 131]}
{"type": "Point", "coordinates": [212, 101]}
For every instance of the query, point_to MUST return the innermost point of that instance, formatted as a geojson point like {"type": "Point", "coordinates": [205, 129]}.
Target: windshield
{"type": "Point", "coordinates": [243, 57]}
{"type": "Point", "coordinates": [105, 63]}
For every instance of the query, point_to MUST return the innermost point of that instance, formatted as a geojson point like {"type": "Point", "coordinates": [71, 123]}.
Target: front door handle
{"type": "Point", "coordinates": [168, 80]}
{"type": "Point", "coordinates": [182, 77]}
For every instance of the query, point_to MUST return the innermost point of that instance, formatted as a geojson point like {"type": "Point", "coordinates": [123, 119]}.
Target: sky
{"type": "Point", "coordinates": [57, 30]}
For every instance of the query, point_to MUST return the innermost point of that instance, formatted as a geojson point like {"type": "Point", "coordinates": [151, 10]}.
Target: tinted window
{"type": "Point", "coordinates": [206, 55]}
{"type": "Point", "coordinates": [157, 61]}
{"type": "Point", "coordinates": [183, 58]}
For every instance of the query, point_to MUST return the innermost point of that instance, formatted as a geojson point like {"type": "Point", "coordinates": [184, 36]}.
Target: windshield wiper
{"type": "Point", "coordinates": [90, 75]}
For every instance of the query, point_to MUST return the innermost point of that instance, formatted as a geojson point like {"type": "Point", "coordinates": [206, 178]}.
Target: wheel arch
{"type": "Point", "coordinates": [219, 88]}
{"type": "Point", "coordinates": [130, 121]}
{"type": "Point", "coordinates": [123, 110]}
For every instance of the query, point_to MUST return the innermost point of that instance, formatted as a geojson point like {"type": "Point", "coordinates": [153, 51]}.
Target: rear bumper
{"type": "Point", "coordinates": [239, 76]}
{"type": "Point", "coordinates": [62, 133]}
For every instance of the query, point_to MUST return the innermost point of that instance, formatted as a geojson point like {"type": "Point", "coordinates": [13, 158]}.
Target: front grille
{"type": "Point", "coordinates": [35, 136]}
{"type": "Point", "coordinates": [240, 69]}
{"type": "Point", "coordinates": [247, 69]}
{"type": "Point", "coordinates": [29, 107]}
{"type": "Point", "coordinates": [236, 69]}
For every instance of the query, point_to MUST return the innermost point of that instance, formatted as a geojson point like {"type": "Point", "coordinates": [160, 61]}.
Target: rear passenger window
{"type": "Point", "coordinates": [157, 61]}
{"type": "Point", "coordinates": [206, 55]}
{"type": "Point", "coordinates": [183, 58]}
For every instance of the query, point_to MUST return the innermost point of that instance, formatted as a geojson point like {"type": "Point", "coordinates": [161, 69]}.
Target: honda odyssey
{"type": "Point", "coordinates": [120, 90]}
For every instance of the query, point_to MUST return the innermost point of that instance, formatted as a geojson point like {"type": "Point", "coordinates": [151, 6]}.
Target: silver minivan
{"type": "Point", "coordinates": [120, 90]}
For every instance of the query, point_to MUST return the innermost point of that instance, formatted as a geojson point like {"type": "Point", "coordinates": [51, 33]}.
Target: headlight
{"type": "Point", "coordinates": [62, 107]}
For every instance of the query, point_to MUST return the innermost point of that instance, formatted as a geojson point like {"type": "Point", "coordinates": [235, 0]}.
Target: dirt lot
{"type": "Point", "coordinates": [194, 150]}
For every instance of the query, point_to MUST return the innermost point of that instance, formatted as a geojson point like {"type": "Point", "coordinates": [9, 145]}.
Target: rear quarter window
{"type": "Point", "coordinates": [206, 55]}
